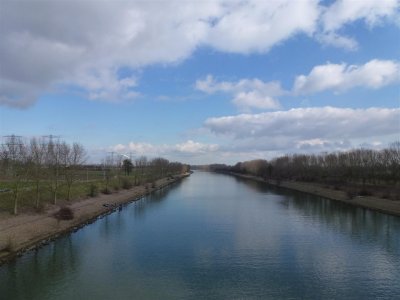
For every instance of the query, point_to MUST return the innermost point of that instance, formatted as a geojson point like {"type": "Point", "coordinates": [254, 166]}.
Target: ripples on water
{"type": "Point", "coordinates": [215, 236]}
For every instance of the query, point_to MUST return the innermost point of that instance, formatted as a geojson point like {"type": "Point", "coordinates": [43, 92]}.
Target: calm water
{"type": "Point", "coordinates": [215, 236]}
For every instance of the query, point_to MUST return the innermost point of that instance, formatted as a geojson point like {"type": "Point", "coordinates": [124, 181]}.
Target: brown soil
{"type": "Point", "coordinates": [28, 230]}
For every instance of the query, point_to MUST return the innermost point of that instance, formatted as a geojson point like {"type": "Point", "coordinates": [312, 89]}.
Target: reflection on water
{"type": "Point", "coordinates": [359, 223]}
{"type": "Point", "coordinates": [153, 200]}
{"type": "Point", "coordinates": [53, 263]}
{"type": "Point", "coordinates": [216, 236]}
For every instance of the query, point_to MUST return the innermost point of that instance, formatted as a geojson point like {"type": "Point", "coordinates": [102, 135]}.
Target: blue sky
{"type": "Point", "coordinates": [202, 83]}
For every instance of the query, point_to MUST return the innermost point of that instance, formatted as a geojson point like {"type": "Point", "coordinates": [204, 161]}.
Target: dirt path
{"type": "Point", "coordinates": [25, 231]}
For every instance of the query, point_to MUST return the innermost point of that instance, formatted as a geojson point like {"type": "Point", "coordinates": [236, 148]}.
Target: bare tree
{"type": "Point", "coordinates": [73, 158]}
{"type": "Point", "coordinates": [108, 165]}
{"type": "Point", "coordinates": [141, 164]}
{"type": "Point", "coordinates": [53, 165]}
{"type": "Point", "coordinates": [37, 152]}
{"type": "Point", "coordinates": [17, 158]}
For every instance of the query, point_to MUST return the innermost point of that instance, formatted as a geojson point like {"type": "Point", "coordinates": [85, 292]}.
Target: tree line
{"type": "Point", "coordinates": [41, 168]}
{"type": "Point", "coordinates": [358, 166]}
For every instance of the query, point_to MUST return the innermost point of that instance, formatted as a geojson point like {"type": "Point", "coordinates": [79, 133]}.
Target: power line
{"type": "Point", "coordinates": [13, 140]}
{"type": "Point", "coordinates": [51, 137]}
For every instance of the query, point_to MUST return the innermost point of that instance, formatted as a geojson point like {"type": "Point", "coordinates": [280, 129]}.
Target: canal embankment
{"type": "Point", "coordinates": [25, 232]}
{"type": "Point", "coordinates": [387, 206]}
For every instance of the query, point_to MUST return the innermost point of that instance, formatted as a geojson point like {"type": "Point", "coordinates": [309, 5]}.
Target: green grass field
{"type": "Point", "coordinates": [88, 181]}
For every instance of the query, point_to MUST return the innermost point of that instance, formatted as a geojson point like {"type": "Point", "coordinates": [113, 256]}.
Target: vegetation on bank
{"type": "Point", "coordinates": [359, 172]}
{"type": "Point", "coordinates": [42, 172]}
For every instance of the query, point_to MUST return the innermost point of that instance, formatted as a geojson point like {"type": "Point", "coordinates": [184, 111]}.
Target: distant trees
{"type": "Point", "coordinates": [256, 167]}
{"type": "Point", "coordinates": [38, 154]}
{"type": "Point", "coordinates": [128, 166]}
{"type": "Point", "coordinates": [16, 162]}
{"type": "Point", "coordinates": [39, 162]}
{"type": "Point", "coordinates": [108, 167]}
{"type": "Point", "coordinates": [52, 165]}
{"type": "Point", "coordinates": [160, 167]}
{"type": "Point", "coordinates": [141, 164]}
{"type": "Point", "coordinates": [357, 166]}
{"type": "Point", "coordinates": [47, 169]}
{"type": "Point", "coordinates": [73, 158]}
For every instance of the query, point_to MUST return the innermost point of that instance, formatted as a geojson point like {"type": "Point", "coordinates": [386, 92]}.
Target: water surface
{"type": "Point", "coordinates": [219, 237]}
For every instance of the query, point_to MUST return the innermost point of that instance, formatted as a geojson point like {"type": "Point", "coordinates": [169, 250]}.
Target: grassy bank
{"type": "Point", "coordinates": [387, 206]}
{"type": "Point", "coordinates": [30, 230]}
{"type": "Point", "coordinates": [88, 185]}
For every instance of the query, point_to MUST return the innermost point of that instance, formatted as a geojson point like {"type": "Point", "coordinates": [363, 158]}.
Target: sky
{"type": "Point", "coordinates": [202, 81]}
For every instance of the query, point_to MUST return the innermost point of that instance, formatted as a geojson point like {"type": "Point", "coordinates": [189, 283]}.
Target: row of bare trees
{"type": "Point", "coordinates": [47, 165]}
{"type": "Point", "coordinates": [357, 166]}
{"type": "Point", "coordinates": [140, 170]}
{"type": "Point", "coordinates": [39, 162]}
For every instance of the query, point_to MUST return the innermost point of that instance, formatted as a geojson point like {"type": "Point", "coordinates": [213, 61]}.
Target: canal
{"type": "Point", "coordinates": [218, 237]}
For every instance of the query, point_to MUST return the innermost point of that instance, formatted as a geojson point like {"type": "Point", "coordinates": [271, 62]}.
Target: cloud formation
{"type": "Point", "coordinates": [254, 93]}
{"type": "Point", "coordinates": [341, 77]}
{"type": "Point", "coordinates": [343, 12]}
{"type": "Point", "coordinates": [187, 148]}
{"type": "Point", "coordinates": [247, 93]}
{"type": "Point", "coordinates": [257, 26]}
{"type": "Point", "coordinates": [106, 85]}
{"type": "Point", "coordinates": [269, 134]}
{"type": "Point", "coordinates": [305, 124]}
{"type": "Point", "coordinates": [48, 43]}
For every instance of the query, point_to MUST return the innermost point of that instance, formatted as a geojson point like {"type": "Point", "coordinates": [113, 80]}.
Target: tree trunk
{"type": "Point", "coordinates": [55, 196]}
{"type": "Point", "coordinates": [69, 192]}
{"type": "Point", "coordinates": [37, 195]}
{"type": "Point", "coordinates": [55, 192]}
{"type": "Point", "coordinates": [16, 203]}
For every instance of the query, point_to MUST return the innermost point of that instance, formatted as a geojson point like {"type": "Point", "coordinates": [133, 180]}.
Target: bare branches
{"type": "Point", "coordinates": [358, 166]}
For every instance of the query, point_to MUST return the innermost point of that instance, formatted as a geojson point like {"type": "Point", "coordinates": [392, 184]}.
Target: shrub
{"type": "Point", "coordinates": [126, 184]}
{"type": "Point", "coordinates": [106, 191]}
{"type": "Point", "coordinates": [65, 213]}
{"type": "Point", "coordinates": [93, 190]}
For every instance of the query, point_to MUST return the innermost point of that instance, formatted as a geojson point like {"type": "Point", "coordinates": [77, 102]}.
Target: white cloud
{"type": "Point", "coordinates": [104, 85]}
{"type": "Point", "coordinates": [254, 93]}
{"type": "Point", "coordinates": [336, 40]}
{"type": "Point", "coordinates": [45, 43]}
{"type": "Point", "coordinates": [342, 12]}
{"type": "Point", "coordinates": [341, 77]}
{"type": "Point", "coordinates": [255, 99]}
{"type": "Point", "coordinates": [305, 124]}
{"type": "Point", "coordinates": [136, 148]}
{"type": "Point", "coordinates": [270, 134]}
{"type": "Point", "coordinates": [247, 93]}
{"type": "Point", "coordinates": [195, 147]}
{"type": "Point", "coordinates": [188, 147]}
{"type": "Point", "coordinates": [256, 26]}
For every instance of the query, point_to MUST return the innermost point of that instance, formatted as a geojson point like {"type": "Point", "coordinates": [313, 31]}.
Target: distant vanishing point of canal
{"type": "Point", "coordinates": [218, 237]}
